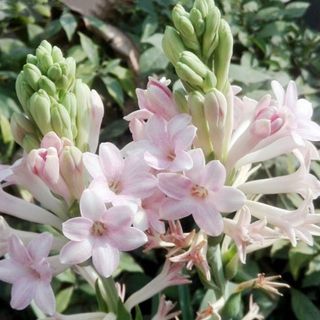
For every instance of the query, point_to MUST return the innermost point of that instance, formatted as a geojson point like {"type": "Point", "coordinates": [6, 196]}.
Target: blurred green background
{"type": "Point", "coordinates": [117, 45]}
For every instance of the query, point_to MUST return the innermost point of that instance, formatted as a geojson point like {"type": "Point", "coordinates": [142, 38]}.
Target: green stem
{"type": "Point", "coordinates": [112, 297]}
{"type": "Point", "coordinates": [185, 303]}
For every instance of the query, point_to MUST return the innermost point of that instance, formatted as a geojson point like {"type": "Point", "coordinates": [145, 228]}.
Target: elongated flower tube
{"type": "Point", "coordinates": [169, 276]}
{"type": "Point", "coordinates": [84, 316]}
{"type": "Point", "coordinates": [164, 310]}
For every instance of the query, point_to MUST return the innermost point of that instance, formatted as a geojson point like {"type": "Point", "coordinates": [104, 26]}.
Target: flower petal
{"type": "Point", "coordinates": [208, 219]}
{"type": "Point", "coordinates": [111, 161]}
{"type": "Point", "coordinates": [175, 209]}
{"type": "Point", "coordinates": [44, 298]}
{"type": "Point", "coordinates": [75, 252]}
{"type": "Point", "coordinates": [77, 229]}
{"type": "Point", "coordinates": [22, 293]}
{"type": "Point", "coordinates": [17, 250]}
{"type": "Point", "coordinates": [118, 217]}
{"type": "Point", "coordinates": [174, 185]}
{"type": "Point", "coordinates": [10, 270]}
{"type": "Point", "coordinates": [40, 246]}
{"type": "Point", "coordinates": [91, 205]}
{"type": "Point", "coordinates": [228, 199]}
{"type": "Point", "coordinates": [92, 164]}
{"type": "Point", "coordinates": [105, 259]}
{"type": "Point", "coordinates": [214, 175]}
{"type": "Point", "coordinates": [127, 239]}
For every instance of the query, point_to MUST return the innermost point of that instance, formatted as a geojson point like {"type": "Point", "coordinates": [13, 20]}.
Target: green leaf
{"type": "Point", "coordinates": [69, 24]}
{"type": "Point", "coordinates": [296, 9]}
{"type": "Point", "coordinates": [102, 305]}
{"type": "Point", "coordinates": [7, 105]}
{"type": "Point", "coordinates": [77, 54]}
{"type": "Point", "coordinates": [153, 59]}
{"type": "Point", "coordinates": [34, 31]}
{"type": "Point", "coordinates": [303, 307]}
{"type": "Point", "coordinates": [63, 299]}
{"type": "Point", "coordinates": [114, 129]}
{"type": "Point", "coordinates": [90, 48]}
{"type": "Point", "coordinates": [311, 280]}
{"type": "Point", "coordinates": [185, 302]}
{"type": "Point", "coordinates": [232, 307]}
{"type": "Point", "coordinates": [5, 129]}
{"type": "Point", "coordinates": [155, 40]}
{"type": "Point", "coordinates": [114, 89]}
{"type": "Point", "coordinates": [247, 75]}
{"type": "Point", "coordinates": [123, 313]}
{"type": "Point", "coordinates": [67, 277]}
{"type": "Point", "coordinates": [127, 263]}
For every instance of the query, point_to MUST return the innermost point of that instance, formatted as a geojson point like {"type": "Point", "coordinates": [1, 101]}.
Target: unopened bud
{"type": "Point", "coordinates": [46, 84]}
{"type": "Point", "coordinates": [32, 75]}
{"type": "Point", "coordinates": [181, 100]}
{"type": "Point", "coordinates": [44, 57]}
{"type": "Point", "coordinates": [32, 59]}
{"type": "Point", "coordinates": [185, 73]}
{"type": "Point", "coordinates": [197, 21]}
{"type": "Point", "coordinates": [30, 142]}
{"type": "Point", "coordinates": [204, 6]}
{"type": "Point", "coordinates": [71, 168]}
{"type": "Point", "coordinates": [20, 126]}
{"type": "Point", "coordinates": [55, 72]}
{"type": "Point", "coordinates": [216, 108]}
{"type": "Point", "coordinates": [222, 55]}
{"type": "Point", "coordinates": [172, 44]}
{"type": "Point", "coordinates": [57, 55]}
{"type": "Point", "coordinates": [192, 61]}
{"type": "Point", "coordinates": [24, 92]}
{"type": "Point", "coordinates": [40, 110]}
{"type": "Point", "coordinates": [61, 122]}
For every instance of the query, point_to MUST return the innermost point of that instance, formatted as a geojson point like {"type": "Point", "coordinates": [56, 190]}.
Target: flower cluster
{"type": "Point", "coordinates": [194, 153]}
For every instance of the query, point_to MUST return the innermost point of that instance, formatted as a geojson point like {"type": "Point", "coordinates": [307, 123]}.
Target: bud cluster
{"type": "Point", "coordinates": [52, 100]}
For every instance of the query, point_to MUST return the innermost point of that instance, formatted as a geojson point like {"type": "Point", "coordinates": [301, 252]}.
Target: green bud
{"type": "Point", "coordinates": [61, 122]}
{"type": "Point", "coordinates": [232, 307]}
{"type": "Point", "coordinates": [181, 100]}
{"type": "Point", "coordinates": [222, 55]}
{"type": "Point", "coordinates": [204, 6]}
{"type": "Point", "coordinates": [57, 55]}
{"type": "Point", "coordinates": [188, 34]}
{"type": "Point", "coordinates": [210, 81]}
{"type": "Point", "coordinates": [70, 70]}
{"type": "Point", "coordinates": [210, 37]}
{"type": "Point", "coordinates": [177, 12]}
{"type": "Point", "coordinates": [20, 126]}
{"type": "Point", "coordinates": [43, 54]}
{"type": "Point", "coordinates": [70, 103]}
{"type": "Point", "coordinates": [24, 92]}
{"type": "Point", "coordinates": [47, 85]}
{"type": "Point", "coordinates": [32, 75]}
{"type": "Point", "coordinates": [172, 44]}
{"type": "Point", "coordinates": [196, 109]}
{"type": "Point", "coordinates": [192, 61]}
{"type": "Point", "coordinates": [187, 74]}
{"type": "Point", "coordinates": [55, 72]}
{"type": "Point", "coordinates": [62, 83]}
{"type": "Point", "coordinates": [30, 142]}
{"type": "Point", "coordinates": [32, 59]}
{"type": "Point", "coordinates": [197, 21]}
{"type": "Point", "coordinates": [83, 96]}
{"type": "Point", "coordinates": [40, 105]}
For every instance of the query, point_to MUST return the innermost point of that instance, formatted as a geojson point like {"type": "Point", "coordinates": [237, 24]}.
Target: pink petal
{"type": "Point", "coordinates": [17, 250]}
{"type": "Point", "coordinates": [178, 124]}
{"type": "Point", "coordinates": [10, 270]}
{"type": "Point", "coordinates": [40, 246]}
{"type": "Point", "coordinates": [278, 91]}
{"type": "Point", "coordinates": [228, 199]}
{"type": "Point", "coordinates": [75, 252]}
{"type": "Point", "coordinates": [22, 293]}
{"type": "Point", "coordinates": [127, 239]}
{"type": "Point", "coordinates": [183, 139]}
{"type": "Point", "coordinates": [45, 299]}
{"type": "Point", "coordinates": [51, 168]}
{"type": "Point", "coordinates": [51, 140]}
{"type": "Point", "coordinates": [208, 219]}
{"type": "Point", "coordinates": [92, 164]}
{"type": "Point", "coordinates": [175, 209]}
{"type": "Point", "coordinates": [174, 185]}
{"type": "Point", "coordinates": [91, 205]}
{"type": "Point", "coordinates": [105, 259]}
{"type": "Point", "coordinates": [111, 161]}
{"type": "Point", "coordinates": [118, 216]}
{"type": "Point", "coordinates": [155, 131]}
{"type": "Point", "coordinates": [214, 175]}
{"type": "Point", "coordinates": [182, 162]}
{"type": "Point", "coordinates": [77, 229]}
{"type": "Point", "coordinates": [291, 95]}
{"type": "Point", "coordinates": [198, 164]}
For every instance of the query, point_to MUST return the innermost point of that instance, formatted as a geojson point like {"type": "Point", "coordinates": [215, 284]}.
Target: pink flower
{"type": "Point", "coordinates": [168, 142]}
{"type": "Point", "coordinates": [101, 233]}
{"type": "Point", "coordinates": [29, 272]}
{"type": "Point", "coordinates": [116, 178]}
{"type": "Point", "coordinates": [200, 192]}
{"type": "Point", "coordinates": [301, 111]}
{"type": "Point", "coordinates": [164, 311]}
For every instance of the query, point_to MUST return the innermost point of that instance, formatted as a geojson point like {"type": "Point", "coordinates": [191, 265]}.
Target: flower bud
{"type": "Point", "coordinates": [187, 32]}
{"type": "Point", "coordinates": [187, 74]}
{"type": "Point", "coordinates": [70, 70]}
{"type": "Point", "coordinates": [61, 122]}
{"type": "Point", "coordinates": [47, 85]}
{"type": "Point", "coordinates": [20, 126]}
{"type": "Point", "coordinates": [204, 6]}
{"type": "Point", "coordinates": [24, 92]}
{"type": "Point", "coordinates": [180, 100]}
{"type": "Point", "coordinates": [83, 96]}
{"type": "Point", "coordinates": [32, 75]}
{"type": "Point", "coordinates": [222, 55]}
{"type": "Point", "coordinates": [172, 44]}
{"type": "Point", "coordinates": [70, 103]}
{"type": "Point", "coordinates": [57, 55]}
{"type": "Point", "coordinates": [40, 110]}
{"type": "Point", "coordinates": [55, 72]}
{"type": "Point", "coordinates": [43, 54]}
{"type": "Point", "coordinates": [32, 59]}
{"type": "Point", "coordinates": [211, 37]}
{"type": "Point", "coordinates": [197, 21]}
{"type": "Point", "coordinates": [71, 168]}
{"type": "Point", "coordinates": [193, 62]}
{"type": "Point", "coordinates": [196, 108]}
{"type": "Point", "coordinates": [30, 142]}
